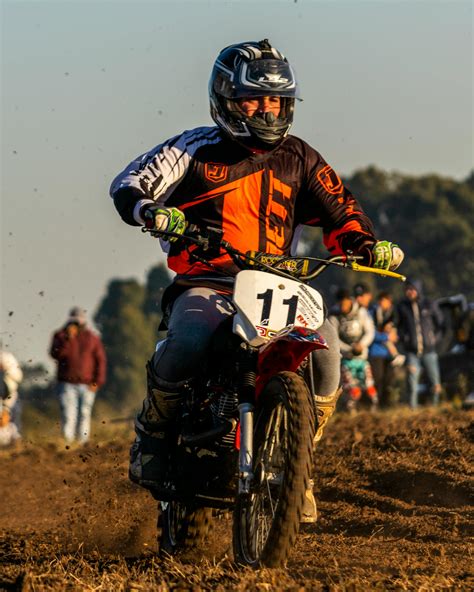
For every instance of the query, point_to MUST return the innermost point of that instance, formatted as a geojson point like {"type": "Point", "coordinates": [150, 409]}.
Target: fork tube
{"type": "Point", "coordinates": [248, 360]}
{"type": "Point", "coordinates": [246, 447]}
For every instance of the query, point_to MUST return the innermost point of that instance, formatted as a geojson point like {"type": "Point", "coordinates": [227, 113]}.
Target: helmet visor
{"type": "Point", "coordinates": [262, 78]}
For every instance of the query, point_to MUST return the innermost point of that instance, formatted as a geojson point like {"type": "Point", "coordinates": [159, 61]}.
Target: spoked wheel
{"type": "Point", "coordinates": [267, 520]}
{"type": "Point", "coordinates": [181, 526]}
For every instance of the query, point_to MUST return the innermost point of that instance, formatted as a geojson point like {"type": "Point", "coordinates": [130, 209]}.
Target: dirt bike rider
{"type": "Point", "coordinates": [258, 184]}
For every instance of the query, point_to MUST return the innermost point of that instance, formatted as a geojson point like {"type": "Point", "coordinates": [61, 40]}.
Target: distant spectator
{"type": "Point", "coordinates": [420, 324]}
{"type": "Point", "coordinates": [383, 310]}
{"type": "Point", "coordinates": [356, 332]}
{"type": "Point", "coordinates": [465, 337]}
{"type": "Point", "coordinates": [81, 367]}
{"type": "Point", "coordinates": [383, 358]}
{"type": "Point", "coordinates": [363, 295]}
{"type": "Point", "coordinates": [383, 352]}
{"type": "Point", "coordinates": [465, 330]}
{"type": "Point", "coordinates": [10, 377]}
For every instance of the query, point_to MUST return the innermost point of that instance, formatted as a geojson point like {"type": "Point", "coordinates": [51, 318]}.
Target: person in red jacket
{"type": "Point", "coordinates": [81, 371]}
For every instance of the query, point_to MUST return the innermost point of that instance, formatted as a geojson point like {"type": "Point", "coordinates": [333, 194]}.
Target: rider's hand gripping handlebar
{"type": "Point", "coordinates": [291, 267]}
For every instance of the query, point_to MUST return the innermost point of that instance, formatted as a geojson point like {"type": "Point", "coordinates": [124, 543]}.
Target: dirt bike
{"type": "Point", "coordinates": [244, 437]}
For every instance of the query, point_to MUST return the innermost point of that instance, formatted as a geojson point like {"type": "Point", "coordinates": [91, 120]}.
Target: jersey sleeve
{"type": "Point", "coordinates": [152, 177]}
{"type": "Point", "coordinates": [325, 201]}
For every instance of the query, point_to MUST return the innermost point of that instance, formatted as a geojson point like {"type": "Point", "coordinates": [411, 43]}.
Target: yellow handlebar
{"type": "Point", "coordinates": [382, 272]}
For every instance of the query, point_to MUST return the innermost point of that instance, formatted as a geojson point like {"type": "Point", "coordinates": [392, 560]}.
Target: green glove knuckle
{"type": "Point", "coordinates": [176, 223]}
{"type": "Point", "coordinates": [383, 254]}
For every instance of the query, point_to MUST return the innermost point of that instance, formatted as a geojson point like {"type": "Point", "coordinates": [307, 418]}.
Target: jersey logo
{"type": "Point", "coordinates": [329, 180]}
{"type": "Point", "coordinates": [215, 172]}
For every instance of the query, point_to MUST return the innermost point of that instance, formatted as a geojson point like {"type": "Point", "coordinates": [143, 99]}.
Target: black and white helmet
{"type": "Point", "coordinates": [252, 69]}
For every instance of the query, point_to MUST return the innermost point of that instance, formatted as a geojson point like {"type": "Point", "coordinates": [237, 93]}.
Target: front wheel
{"type": "Point", "coordinates": [266, 521]}
{"type": "Point", "coordinates": [181, 526]}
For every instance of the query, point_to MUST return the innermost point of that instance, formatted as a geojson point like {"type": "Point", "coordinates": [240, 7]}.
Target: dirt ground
{"type": "Point", "coordinates": [395, 494]}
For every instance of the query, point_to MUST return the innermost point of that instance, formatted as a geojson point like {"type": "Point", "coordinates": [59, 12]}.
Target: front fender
{"type": "Point", "coordinates": [285, 351]}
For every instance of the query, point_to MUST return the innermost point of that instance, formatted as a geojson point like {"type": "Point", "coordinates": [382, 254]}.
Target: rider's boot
{"type": "Point", "coordinates": [325, 407]}
{"type": "Point", "coordinates": [153, 427]}
{"type": "Point", "coordinates": [309, 514]}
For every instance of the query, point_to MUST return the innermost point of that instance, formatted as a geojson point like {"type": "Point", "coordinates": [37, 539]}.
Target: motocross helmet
{"type": "Point", "coordinates": [252, 69]}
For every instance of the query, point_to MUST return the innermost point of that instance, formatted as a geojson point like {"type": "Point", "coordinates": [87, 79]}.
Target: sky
{"type": "Point", "coordinates": [87, 86]}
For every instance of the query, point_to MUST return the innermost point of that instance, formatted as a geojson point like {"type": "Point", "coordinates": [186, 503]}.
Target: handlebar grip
{"type": "Point", "coordinates": [375, 270]}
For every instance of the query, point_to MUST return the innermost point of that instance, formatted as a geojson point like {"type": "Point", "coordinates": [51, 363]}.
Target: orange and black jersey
{"type": "Point", "coordinates": [258, 200]}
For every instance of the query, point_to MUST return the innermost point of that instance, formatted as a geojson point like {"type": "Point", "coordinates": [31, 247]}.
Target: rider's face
{"type": "Point", "coordinates": [252, 105]}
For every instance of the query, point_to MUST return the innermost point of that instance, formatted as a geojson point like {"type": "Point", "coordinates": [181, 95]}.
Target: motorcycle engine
{"type": "Point", "coordinates": [225, 407]}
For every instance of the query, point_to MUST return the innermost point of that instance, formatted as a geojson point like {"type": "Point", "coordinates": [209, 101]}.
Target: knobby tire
{"type": "Point", "coordinates": [181, 527]}
{"type": "Point", "coordinates": [286, 391]}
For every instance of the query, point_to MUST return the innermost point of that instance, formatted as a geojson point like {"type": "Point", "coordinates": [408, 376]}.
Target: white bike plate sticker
{"type": "Point", "coordinates": [271, 303]}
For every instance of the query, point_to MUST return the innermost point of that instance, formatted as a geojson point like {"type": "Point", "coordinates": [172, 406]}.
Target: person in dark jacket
{"type": "Point", "coordinates": [420, 324]}
{"type": "Point", "coordinates": [81, 371]}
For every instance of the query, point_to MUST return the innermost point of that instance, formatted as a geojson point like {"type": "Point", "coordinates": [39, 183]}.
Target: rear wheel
{"type": "Point", "coordinates": [181, 526]}
{"type": "Point", "coordinates": [266, 521]}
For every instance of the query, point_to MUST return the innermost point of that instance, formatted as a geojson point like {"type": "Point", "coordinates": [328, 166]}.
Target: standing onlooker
{"type": "Point", "coordinates": [383, 353]}
{"type": "Point", "coordinates": [419, 326]}
{"type": "Point", "coordinates": [10, 377]}
{"type": "Point", "coordinates": [363, 295]}
{"type": "Point", "coordinates": [356, 332]}
{"type": "Point", "coordinates": [81, 364]}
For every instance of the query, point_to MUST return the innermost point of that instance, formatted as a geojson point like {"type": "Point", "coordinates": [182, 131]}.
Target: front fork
{"type": "Point", "coordinates": [246, 447]}
{"type": "Point", "coordinates": [248, 364]}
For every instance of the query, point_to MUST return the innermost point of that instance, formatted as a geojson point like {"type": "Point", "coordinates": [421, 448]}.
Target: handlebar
{"type": "Point", "coordinates": [290, 267]}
